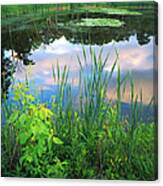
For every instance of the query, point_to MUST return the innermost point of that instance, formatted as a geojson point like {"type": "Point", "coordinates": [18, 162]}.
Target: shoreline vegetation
{"type": "Point", "coordinates": [114, 8]}
{"type": "Point", "coordinates": [90, 142]}
{"type": "Point", "coordinates": [40, 11]}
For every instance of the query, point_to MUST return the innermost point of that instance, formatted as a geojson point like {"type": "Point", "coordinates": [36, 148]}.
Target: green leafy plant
{"type": "Point", "coordinates": [35, 136]}
{"type": "Point", "coordinates": [90, 140]}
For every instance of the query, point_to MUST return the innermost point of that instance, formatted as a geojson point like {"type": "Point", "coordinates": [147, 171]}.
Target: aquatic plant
{"type": "Point", "coordinates": [114, 11]}
{"type": "Point", "coordinates": [99, 22]}
{"type": "Point", "coordinates": [87, 141]}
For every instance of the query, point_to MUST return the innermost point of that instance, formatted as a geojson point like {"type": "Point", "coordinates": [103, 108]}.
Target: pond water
{"type": "Point", "coordinates": [47, 39]}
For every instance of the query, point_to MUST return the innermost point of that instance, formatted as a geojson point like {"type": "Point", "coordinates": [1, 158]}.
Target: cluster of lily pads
{"type": "Point", "coordinates": [114, 11]}
{"type": "Point", "coordinates": [100, 22]}
{"type": "Point", "coordinates": [105, 22]}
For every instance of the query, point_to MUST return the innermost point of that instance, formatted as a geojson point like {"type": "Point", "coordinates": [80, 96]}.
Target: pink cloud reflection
{"type": "Point", "coordinates": [132, 56]}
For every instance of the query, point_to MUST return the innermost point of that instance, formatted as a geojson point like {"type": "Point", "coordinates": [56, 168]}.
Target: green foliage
{"type": "Point", "coordinates": [90, 141]}
{"type": "Point", "coordinates": [34, 135]}
{"type": "Point", "coordinates": [114, 11]}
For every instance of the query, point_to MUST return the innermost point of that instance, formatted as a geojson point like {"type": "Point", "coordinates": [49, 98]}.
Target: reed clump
{"type": "Point", "coordinates": [89, 141]}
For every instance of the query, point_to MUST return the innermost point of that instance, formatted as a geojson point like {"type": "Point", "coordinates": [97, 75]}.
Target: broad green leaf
{"type": "Point", "coordinates": [56, 140]}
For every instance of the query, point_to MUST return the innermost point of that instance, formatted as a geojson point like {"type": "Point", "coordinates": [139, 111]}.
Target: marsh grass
{"type": "Point", "coordinates": [91, 140]}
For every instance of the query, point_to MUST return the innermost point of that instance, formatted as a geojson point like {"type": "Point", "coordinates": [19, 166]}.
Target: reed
{"type": "Point", "coordinates": [87, 140]}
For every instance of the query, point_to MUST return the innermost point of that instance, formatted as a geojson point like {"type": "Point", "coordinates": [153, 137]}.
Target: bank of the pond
{"type": "Point", "coordinates": [57, 143]}
{"type": "Point", "coordinates": [70, 107]}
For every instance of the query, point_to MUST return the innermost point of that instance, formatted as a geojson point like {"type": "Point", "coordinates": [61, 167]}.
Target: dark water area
{"type": "Point", "coordinates": [32, 43]}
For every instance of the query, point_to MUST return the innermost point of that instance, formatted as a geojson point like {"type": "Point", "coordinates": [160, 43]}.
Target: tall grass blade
{"type": "Point", "coordinates": [58, 72]}
{"type": "Point", "coordinates": [84, 53]}
{"type": "Point", "coordinates": [79, 61]}
{"type": "Point", "coordinates": [118, 93]}
{"type": "Point", "coordinates": [53, 73]}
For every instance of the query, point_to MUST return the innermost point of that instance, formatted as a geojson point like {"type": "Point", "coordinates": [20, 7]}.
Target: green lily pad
{"type": "Point", "coordinates": [114, 11]}
{"type": "Point", "coordinates": [100, 22]}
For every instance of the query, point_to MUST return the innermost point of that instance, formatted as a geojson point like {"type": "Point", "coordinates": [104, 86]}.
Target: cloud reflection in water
{"type": "Point", "coordinates": [132, 57]}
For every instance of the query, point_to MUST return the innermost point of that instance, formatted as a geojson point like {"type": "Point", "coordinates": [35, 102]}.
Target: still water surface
{"type": "Point", "coordinates": [46, 45]}
{"type": "Point", "coordinates": [133, 57]}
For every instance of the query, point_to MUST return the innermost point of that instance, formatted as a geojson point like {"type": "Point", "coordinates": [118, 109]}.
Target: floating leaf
{"type": "Point", "coordinates": [100, 22]}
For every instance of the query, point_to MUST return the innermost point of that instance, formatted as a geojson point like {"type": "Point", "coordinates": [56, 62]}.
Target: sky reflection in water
{"type": "Point", "coordinates": [132, 56]}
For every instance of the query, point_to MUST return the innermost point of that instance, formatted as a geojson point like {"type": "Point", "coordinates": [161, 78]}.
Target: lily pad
{"type": "Point", "coordinates": [114, 11]}
{"type": "Point", "coordinates": [100, 22]}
